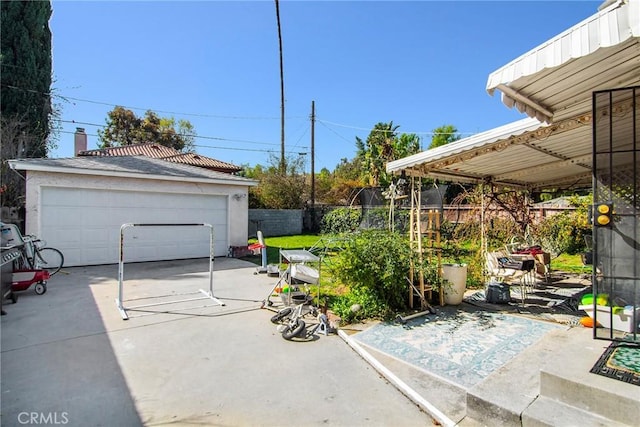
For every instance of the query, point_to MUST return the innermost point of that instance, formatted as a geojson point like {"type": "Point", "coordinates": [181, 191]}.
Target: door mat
{"type": "Point", "coordinates": [461, 346]}
{"type": "Point", "coordinates": [620, 361]}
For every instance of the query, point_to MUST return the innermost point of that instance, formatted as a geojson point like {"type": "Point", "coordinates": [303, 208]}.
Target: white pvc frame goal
{"type": "Point", "coordinates": [208, 294]}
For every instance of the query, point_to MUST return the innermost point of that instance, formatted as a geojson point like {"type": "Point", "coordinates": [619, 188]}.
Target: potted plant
{"type": "Point", "coordinates": [454, 277]}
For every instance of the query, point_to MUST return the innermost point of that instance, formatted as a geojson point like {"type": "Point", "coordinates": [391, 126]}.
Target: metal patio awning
{"type": "Point", "coordinates": [554, 85]}
{"type": "Point", "coordinates": [554, 81]}
{"type": "Point", "coordinates": [525, 154]}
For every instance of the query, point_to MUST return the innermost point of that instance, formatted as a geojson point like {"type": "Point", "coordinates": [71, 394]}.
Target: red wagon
{"type": "Point", "coordinates": [23, 279]}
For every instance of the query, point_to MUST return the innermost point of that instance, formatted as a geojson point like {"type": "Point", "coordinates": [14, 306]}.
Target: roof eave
{"type": "Point", "coordinates": [17, 164]}
{"type": "Point", "coordinates": [612, 26]}
{"type": "Point", "coordinates": [475, 142]}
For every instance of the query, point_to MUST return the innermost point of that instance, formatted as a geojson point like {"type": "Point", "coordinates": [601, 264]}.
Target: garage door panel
{"type": "Point", "coordinates": [85, 224]}
{"type": "Point", "coordinates": [95, 237]}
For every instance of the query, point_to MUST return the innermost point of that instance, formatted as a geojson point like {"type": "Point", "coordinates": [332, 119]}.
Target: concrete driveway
{"type": "Point", "coordinates": [68, 357]}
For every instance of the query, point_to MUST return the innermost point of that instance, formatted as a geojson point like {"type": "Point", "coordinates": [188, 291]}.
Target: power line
{"type": "Point", "coordinates": [178, 113]}
{"type": "Point", "coordinates": [216, 138]}
{"type": "Point", "coordinates": [211, 146]}
{"type": "Point", "coordinates": [336, 133]}
{"type": "Point", "coordinates": [324, 122]}
{"type": "Point", "coordinates": [383, 130]}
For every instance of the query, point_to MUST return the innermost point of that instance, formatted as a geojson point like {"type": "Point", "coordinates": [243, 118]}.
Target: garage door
{"type": "Point", "coordinates": [85, 224]}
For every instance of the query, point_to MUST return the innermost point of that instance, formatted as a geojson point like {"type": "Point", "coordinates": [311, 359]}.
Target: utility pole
{"type": "Point", "coordinates": [313, 157]}
{"type": "Point", "coordinates": [282, 164]}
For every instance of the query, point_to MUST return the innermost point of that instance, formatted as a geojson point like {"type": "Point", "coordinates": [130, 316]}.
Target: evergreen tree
{"type": "Point", "coordinates": [26, 72]}
{"type": "Point", "coordinates": [25, 75]}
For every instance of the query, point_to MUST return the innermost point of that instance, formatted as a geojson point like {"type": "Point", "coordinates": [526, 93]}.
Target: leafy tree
{"type": "Point", "coordinates": [407, 144]}
{"type": "Point", "coordinates": [337, 187]}
{"type": "Point", "coordinates": [565, 232]}
{"type": "Point", "coordinates": [255, 173]}
{"type": "Point", "coordinates": [26, 108]}
{"type": "Point", "coordinates": [278, 189]}
{"type": "Point", "coordinates": [14, 143]}
{"type": "Point", "coordinates": [444, 135]}
{"type": "Point", "coordinates": [125, 128]}
{"type": "Point", "coordinates": [377, 150]}
{"type": "Point", "coordinates": [323, 182]}
{"type": "Point", "coordinates": [382, 146]}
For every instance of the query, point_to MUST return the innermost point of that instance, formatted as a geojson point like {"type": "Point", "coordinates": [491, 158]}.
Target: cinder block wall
{"type": "Point", "coordinates": [275, 222]}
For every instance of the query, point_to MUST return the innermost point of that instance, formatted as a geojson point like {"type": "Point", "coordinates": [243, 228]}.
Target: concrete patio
{"type": "Point", "coordinates": [68, 356]}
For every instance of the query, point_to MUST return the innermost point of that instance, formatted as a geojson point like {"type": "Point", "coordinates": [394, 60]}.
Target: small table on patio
{"type": "Point", "coordinates": [293, 257]}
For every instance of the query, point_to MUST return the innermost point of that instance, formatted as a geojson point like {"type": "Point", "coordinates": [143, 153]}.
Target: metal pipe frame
{"type": "Point", "coordinates": [208, 294]}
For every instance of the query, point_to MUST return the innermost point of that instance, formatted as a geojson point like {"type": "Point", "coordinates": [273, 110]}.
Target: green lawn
{"type": "Point", "coordinates": [570, 264]}
{"type": "Point", "coordinates": [274, 244]}
{"type": "Point", "coordinates": [466, 254]}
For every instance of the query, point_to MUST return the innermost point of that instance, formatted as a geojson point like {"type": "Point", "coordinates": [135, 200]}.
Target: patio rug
{"type": "Point", "coordinates": [620, 361]}
{"type": "Point", "coordinates": [555, 302]}
{"type": "Point", "coordinates": [460, 346]}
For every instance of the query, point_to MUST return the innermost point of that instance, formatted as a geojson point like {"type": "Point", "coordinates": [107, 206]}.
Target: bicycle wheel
{"type": "Point", "coordinates": [281, 315]}
{"type": "Point", "coordinates": [49, 259]}
{"type": "Point", "coordinates": [294, 331]}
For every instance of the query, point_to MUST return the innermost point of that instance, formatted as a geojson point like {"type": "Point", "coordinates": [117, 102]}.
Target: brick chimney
{"type": "Point", "coordinates": [80, 141]}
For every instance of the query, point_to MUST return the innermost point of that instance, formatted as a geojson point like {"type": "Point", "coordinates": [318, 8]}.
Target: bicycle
{"type": "Point", "coordinates": [43, 257]}
{"type": "Point", "coordinates": [35, 254]}
{"type": "Point", "coordinates": [290, 320]}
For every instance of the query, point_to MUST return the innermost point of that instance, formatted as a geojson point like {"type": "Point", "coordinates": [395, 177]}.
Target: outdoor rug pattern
{"type": "Point", "coordinates": [462, 347]}
{"type": "Point", "coordinates": [620, 361]}
{"type": "Point", "coordinates": [556, 301]}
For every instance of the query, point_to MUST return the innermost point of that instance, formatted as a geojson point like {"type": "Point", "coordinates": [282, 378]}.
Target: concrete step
{"type": "Point", "coordinates": [554, 374]}
{"type": "Point", "coordinates": [569, 382]}
{"type": "Point", "coordinates": [507, 393]}
{"type": "Point", "coordinates": [546, 412]}
{"type": "Point", "coordinates": [548, 384]}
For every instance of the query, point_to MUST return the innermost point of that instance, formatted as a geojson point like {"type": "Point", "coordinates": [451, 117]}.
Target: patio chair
{"type": "Point", "coordinates": [519, 247]}
{"type": "Point", "coordinates": [521, 272]}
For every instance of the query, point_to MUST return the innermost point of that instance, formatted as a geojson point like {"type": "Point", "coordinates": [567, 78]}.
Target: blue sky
{"type": "Point", "coordinates": [420, 64]}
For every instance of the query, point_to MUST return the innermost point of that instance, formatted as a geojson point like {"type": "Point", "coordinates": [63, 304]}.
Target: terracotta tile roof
{"type": "Point", "coordinates": [202, 161]}
{"type": "Point", "coordinates": [158, 151]}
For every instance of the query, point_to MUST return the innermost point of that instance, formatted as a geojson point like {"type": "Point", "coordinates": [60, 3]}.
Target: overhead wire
{"type": "Point", "coordinates": [108, 104]}
{"type": "Point", "coordinates": [384, 130]}
{"type": "Point", "coordinates": [325, 123]}
{"type": "Point", "coordinates": [217, 138]}
{"type": "Point", "coordinates": [209, 146]}
{"type": "Point", "coordinates": [236, 117]}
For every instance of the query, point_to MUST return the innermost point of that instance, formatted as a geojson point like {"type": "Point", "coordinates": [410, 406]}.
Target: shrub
{"type": "Point", "coordinates": [369, 306]}
{"type": "Point", "coordinates": [374, 264]}
{"type": "Point", "coordinates": [341, 220]}
{"type": "Point", "coordinates": [564, 232]}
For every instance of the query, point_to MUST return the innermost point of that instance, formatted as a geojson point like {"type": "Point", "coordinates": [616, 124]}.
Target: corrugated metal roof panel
{"type": "Point", "coordinates": [521, 154]}
{"type": "Point", "coordinates": [471, 143]}
{"type": "Point", "coordinates": [554, 81]}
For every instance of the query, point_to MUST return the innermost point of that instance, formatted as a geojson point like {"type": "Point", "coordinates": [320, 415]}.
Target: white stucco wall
{"type": "Point", "coordinates": [237, 196]}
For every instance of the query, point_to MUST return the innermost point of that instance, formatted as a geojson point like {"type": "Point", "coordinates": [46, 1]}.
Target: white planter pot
{"type": "Point", "coordinates": [455, 276]}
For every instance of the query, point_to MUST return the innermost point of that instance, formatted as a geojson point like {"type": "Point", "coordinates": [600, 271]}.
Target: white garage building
{"type": "Point", "coordinates": [79, 204]}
